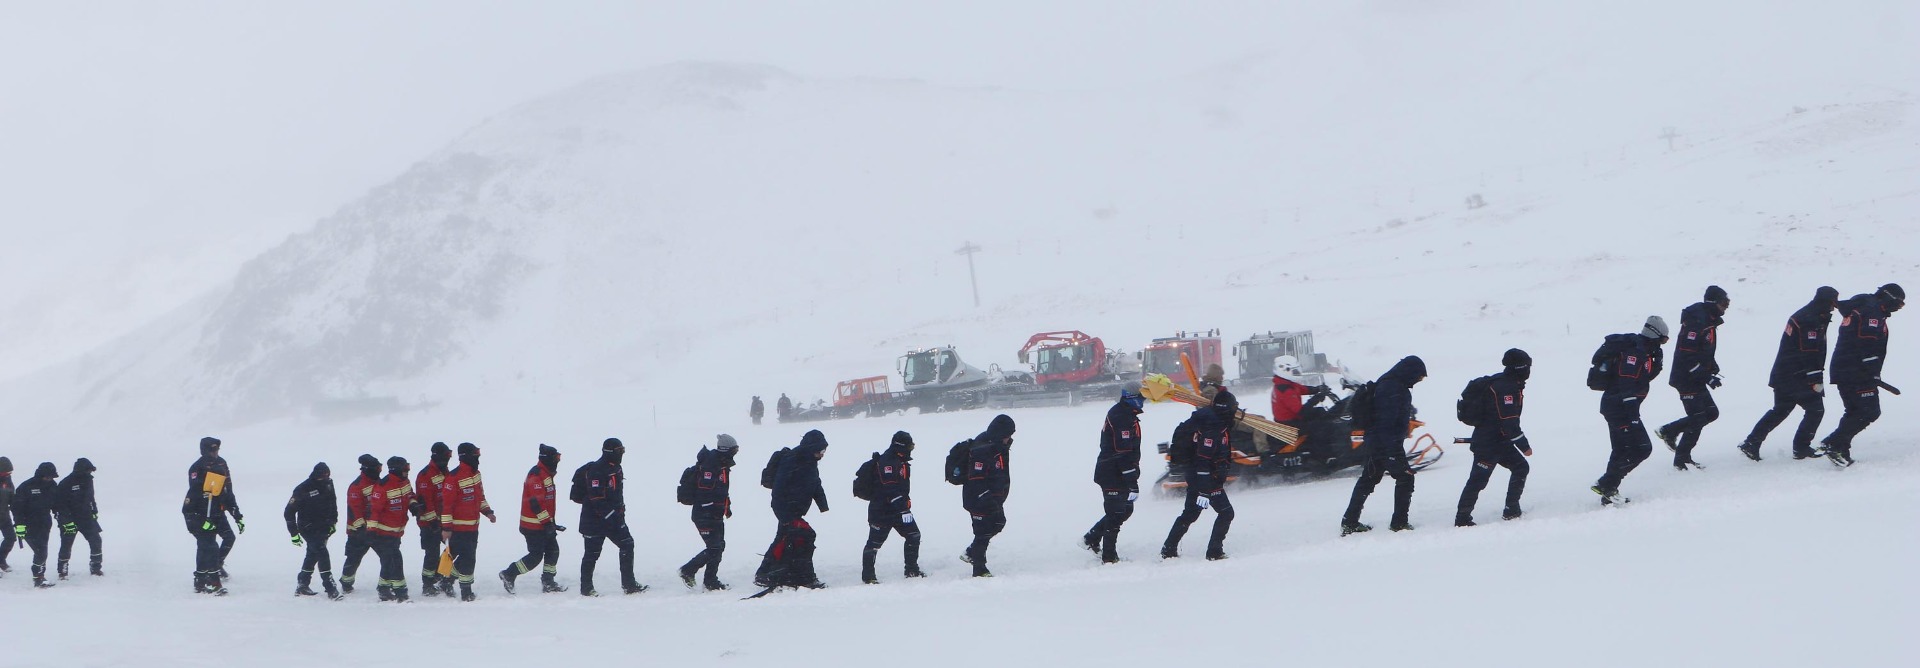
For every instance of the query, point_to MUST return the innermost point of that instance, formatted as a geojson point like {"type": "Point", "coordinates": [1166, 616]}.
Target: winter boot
{"type": "Point", "coordinates": [213, 584]}
{"type": "Point", "coordinates": [506, 580]}
{"type": "Point", "coordinates": [446, 585]}
{"type": "Point", "coordinates": [400, 594]}
{"type": "Point", "coordinates": [41, 582]}
{"type": "Point", "coordinates": [867, 558]}
{"type": "Point", "coordinates": [62, 567]}
{"type": "Point", "coordinates": [224, 576]}
{"type": "Point", "coordinates": [548, 585]}
{"type": "Point", "coordinates": [1510, 513]}
{"type": "Point", "coordinates": [1109, 552]}
{"type": "Point", "coordinates": [1348, 528]}
{"type": "Point", "coordinates": [1091, 541]}
{"type": "Point", "coordinates": [1668, 438]}
{"type": "Point", "coordinates": [1400, 525]}
{"type": "Point", "coordinates": [632, 588]}
{"type": "Point", "coordinates": [430, 583]}
{"type": "Point", "coordinates": [304, 582]}
{"type": "Point", "coordinates": [687, 575]}
{"type": "Point", "coordinates": [715, 585]}
{"type": "Point", "coordinates": [1169, 552]}
{"type": "Point", "coordinates": [93, 566]}
{"type": "Point", "coordinates": [346, 585]}
{"type": "Point", "coordinates": [326, 584]}
{"type": "Point", "coordinates": [913, 571]}
{"type": "Point", "coordinates": [385, 590]}
{"type": "Point", "coordinates": [1750, 449]}
{"type": "Point", "coordinates": [1463, 521]}
{"type": "Point", "coordinates": [466, 593]}
{"type": "Point", "coordinates": [1840, 457]}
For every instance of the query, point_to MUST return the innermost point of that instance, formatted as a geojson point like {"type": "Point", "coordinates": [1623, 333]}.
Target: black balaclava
{"type": "Point", "coordinates": [549, 457]}
{"type": "Point", "coordinates": [47, 471]}
{"type": "Point", "coordinates": [441, 454]}
{"type": "Point", "coordinates": [1892, 295]}
{"type": "Point", "coordinates": [902, 443]}
{"type": "Point", "coordinates": [320, 472]}
{"type": "Point", "coordinates": [209, 446]}
{"type": "Point", "coordinates": [1717, 296]}
{"type": "Point", "coordinates": [6, 466]}
{"type": "Point", "coordinates": [83, 466]}
{"type": "Point", "coordinates": [469, 455]}
{"type": "Point", "coordinates": [398, 466]}
{"type": "Point", "coordinates": [1518, 363]}
{"type": "Point", "coordinates": [370, 467]}
{"type": "Point", "coordinates": [1826, 296]}
{"type": "Point", "coordinates": [611, 450]}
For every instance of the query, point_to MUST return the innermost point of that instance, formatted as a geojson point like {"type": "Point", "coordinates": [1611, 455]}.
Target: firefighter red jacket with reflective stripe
{"type": "Point", "coordinates": [356, 511]}
{"type": "Point", "coordinates": [386, 504]}
{"type": "Point", "coordinates": [463, 500]}
{"type": "Point", "coordinates": [536, 498]}
{"type": "Point", "coordinates": [427, 486]}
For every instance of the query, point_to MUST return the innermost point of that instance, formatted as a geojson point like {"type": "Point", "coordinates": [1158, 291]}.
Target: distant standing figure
{"type": "Point", "coordinates": [1798, 369]}
{"type": "Point", "coordinates": [757, 409]}
{"type": "Point", "coordinates": [6, 513]}
{"type": "Point", "coordinates": [1695, 375]}
{"type": "Point", "coordinates": [1628, 363]}
{"type": "Point", "coordinates": [1857, 357]}
{"type": "Point", "coordinates": [784, 407]}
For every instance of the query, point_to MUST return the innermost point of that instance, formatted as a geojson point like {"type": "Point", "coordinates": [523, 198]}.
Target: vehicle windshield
{"type": "Point", "coordinates": [1063, 359]}
{"type": "Point", "coordinates": [1164, 361]}
{"type": "Point", "coordinates": [920, 368]}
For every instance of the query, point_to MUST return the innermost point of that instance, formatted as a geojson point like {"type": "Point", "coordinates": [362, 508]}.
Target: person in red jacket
{"type": "Point", "coordinates": [357, 544]}
{"type": "Point", "coordinates": [427, 487]}
{"type": "Point", "coordinates": [537, 524]}
{"type": "Point", "coordinates": [384, 506]}
{"type": "Point", "coordinates": [463, 501]}
{"type": "Point", "coordinates": [1287, 390]}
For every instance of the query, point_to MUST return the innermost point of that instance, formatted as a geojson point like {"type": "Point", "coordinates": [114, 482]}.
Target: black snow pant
{"type": "Point", "coordinates": [1862, 408]}
{"type": "Point", "coordinates": [1118, 506]}
{"type": "Point", "coordinates": [883, 523]}
{"type": "Point", "coordinates": [1784, 401]}
{"type": "Point", "coordinates": [357, 547]}
{"type": "Point", "coordinates": [1629, 439]}
{"type": "Point", "coordinates": [429, 556]}
{"type": "Point", "coordinates": [223, 529]}
{"type": "Point", "coordinates": [713, 534]}
{"type": "Point", "coordinates": [36, 541]}
{"type": "Point", "coordinates": [465, 546]}
{"type": "Point", "coordinates": [1222, 520]}
{"type": "Point", "coordinates": [317, 557]}
{"type": "Point", "coordinates": [543, 546]}
{"type": "Point", "coordinates": [1482, 472]}
{"type": "Point", "coordinates": [987, 523]}
{"type": "Point", "coordinates": [89, 529]}
{"type": "Point", "coordinates": [393, 566]}
{"type": "Point", "coordinates": [6, 537]}
{"type": "Point", "coordinates": [206, 553]}
{"type": "Point", "coordinates": [789, 560]}
{"type": "Point", "coordinates": [1391, 464]}
{"type": "Point", "coordinates": [1701, 411]}
{"type": "Point", "coordinates": [622, 539]}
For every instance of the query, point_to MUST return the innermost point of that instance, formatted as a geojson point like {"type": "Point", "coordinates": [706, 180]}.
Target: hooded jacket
{"type": "Point", "coordinates": [988, 477]}
{"type": "Point", "coordinates": [77, 503]}
{"type": "Point", "coordinates": [1860, 349]}
{"type": "Point", "coordinates": [712, 484]}
{"type": "Point", "coordinates": [892, 469]}
{"type": "Point", "coordinates": [6, 494]}
{"type": "Point", "coordinates": [1802, 357]}
{"type": "Point", "coordinates": [1118, 466]}
{"type": "Point", "coordinates": [796, 485]}
{"type": "Point", "coordinates": [313, 505]}
{"type": "Point", "coordinates": [36, 500]}
{"type": "Point", "coordinates": [1694, 347]}
{"type": "Point", "coordinates": [1393, 407]}
{"type": "Point", "coordinates": [197, 506]}
{"type": "Point", "coordinates": [599, 488]}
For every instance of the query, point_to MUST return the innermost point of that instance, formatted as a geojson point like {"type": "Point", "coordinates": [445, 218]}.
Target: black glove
{"type": "Point", "coordinates": [1714, 381]}
{"type": "Point", "coordinates": [556, 527]}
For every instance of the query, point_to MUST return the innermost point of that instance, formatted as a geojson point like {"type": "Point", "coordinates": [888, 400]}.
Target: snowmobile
{"type": "Point", "coordinates": [1330, 445]}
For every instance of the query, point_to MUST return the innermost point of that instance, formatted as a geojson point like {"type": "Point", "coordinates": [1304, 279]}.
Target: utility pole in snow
{"type": "Point", "coordinates": [968, 250]}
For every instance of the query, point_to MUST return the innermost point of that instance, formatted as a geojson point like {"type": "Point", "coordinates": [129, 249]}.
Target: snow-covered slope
{"type": "Point", "coordinates": [637, 255]}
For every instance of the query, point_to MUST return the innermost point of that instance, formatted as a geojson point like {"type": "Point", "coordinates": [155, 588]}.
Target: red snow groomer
{"type": "Point", "coordinates": [1068, 367]}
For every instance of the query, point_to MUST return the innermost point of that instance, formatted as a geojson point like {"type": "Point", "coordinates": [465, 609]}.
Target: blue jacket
{"type": "Point", "coordinates": [988, 476]}
{"type": "Point", "coordinates": [1803, 347]}
{"type": "Point", "coordinates": [1861, 347]}
{"type": "Point", "coordinates": [1393, 406]}
{"type": "Point", "coordinates": [1694, 346]}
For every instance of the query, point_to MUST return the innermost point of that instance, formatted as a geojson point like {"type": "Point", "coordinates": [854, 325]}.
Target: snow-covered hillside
{"type": "Point", "coordinates": [637, 255]}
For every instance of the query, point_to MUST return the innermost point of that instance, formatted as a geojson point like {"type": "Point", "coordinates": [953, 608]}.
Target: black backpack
{"type": "Point", "coordinates": [1180, 449]}
{"type": "Point", "coordinates": [866, 479]}
{"type": "Point", "coordinates": [773, 466]}
{"type": "Point", "coordinates": [957, 459]}
{"type": "Point", "coordinates": [579, 492]}
{"type": "Point", "coordinates": [1600, 375]}
{"type": "Point", "coordinates": [1360, 406]}
{"type": "Point", "coordinates": [684, 493]}
{"type": "Point", "coordinates": [1476, 401]}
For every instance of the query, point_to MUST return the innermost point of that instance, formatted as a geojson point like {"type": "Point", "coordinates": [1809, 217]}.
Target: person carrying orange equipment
{"type": "Point", "coordinates": [426, 487]}
{"type": "Point", "coordinates": [463, 501]}
{"type": "Point", "coordinates": [537, 524]}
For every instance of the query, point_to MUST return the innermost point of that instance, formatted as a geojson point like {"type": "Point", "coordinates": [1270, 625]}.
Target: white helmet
{"type": "Point", "coordinates": [1288, 367]}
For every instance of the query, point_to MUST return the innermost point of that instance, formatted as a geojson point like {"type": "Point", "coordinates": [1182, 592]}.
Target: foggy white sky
{"type": "Point", "coordinates": [148, 148]}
